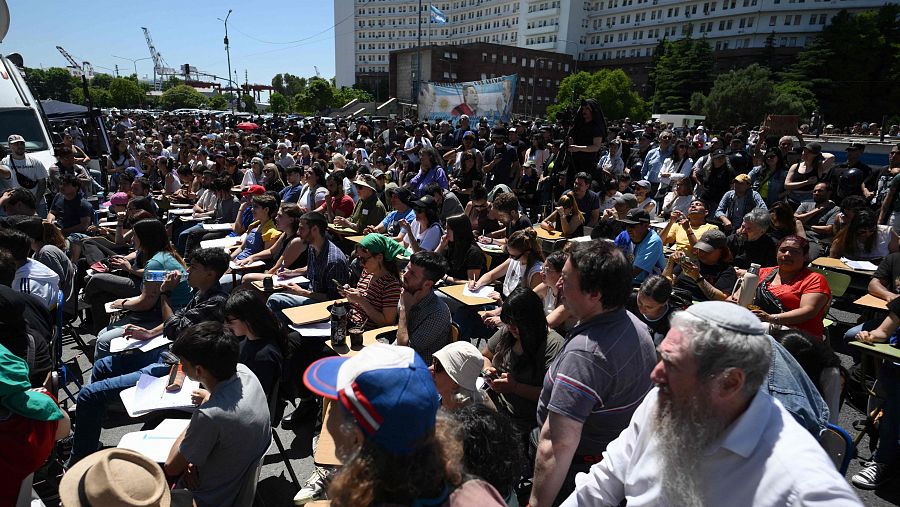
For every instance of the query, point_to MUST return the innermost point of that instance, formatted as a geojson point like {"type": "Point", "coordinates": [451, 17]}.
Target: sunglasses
{"type": "Point", "coordinates": [516, 257]}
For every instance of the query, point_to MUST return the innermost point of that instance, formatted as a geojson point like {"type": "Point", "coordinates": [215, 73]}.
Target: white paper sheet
{"type": "Point", "coordinates": [279, 282]}
{"type": "Point", "coordinates": [122, 344]}
{"type": "Point", "coordinates": [254, 264]}
{"type": "Point", "coordinates": [216, 227]}
{"type": "Point", "coordinates": [860, 265]}
{"type": "Point", "coordinates": [482, 292]}
{"type": "Point", "coordinates": [222, 242]}
{"type": "Point", "coordinates": [157, 443]}
{"type": "Point", "coordinates": [314, 329]}
{"type": "Point", "coordinates": [150, 394]}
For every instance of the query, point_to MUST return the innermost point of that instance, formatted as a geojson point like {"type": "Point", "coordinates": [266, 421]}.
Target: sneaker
{"type": "Point", "coordinates": [871, 477]}
{"type": "Point", "coordinates": [314, 489]}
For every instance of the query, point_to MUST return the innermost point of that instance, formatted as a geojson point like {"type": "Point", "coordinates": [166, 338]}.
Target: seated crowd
{"type": "Point", "coordinates": [606, 360]}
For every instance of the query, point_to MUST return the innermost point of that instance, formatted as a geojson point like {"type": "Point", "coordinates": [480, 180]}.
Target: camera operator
{"type": "Point", "coordinates": [585, 139]}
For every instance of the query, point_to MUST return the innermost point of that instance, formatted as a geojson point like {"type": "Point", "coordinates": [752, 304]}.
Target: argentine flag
{"type": "Point", "coordinates": [437, 16]}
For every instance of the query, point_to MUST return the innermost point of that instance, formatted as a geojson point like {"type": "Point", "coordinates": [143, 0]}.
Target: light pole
{"type": "Point", "coordinates": [133, 61]}
{"type": "Point", "coordinates": [228, 55]}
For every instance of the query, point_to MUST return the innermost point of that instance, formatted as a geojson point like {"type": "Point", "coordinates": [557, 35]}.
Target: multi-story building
{"type": "Point", "coordinates": [539, 72]}
{"type": "Point", "coordinates": [597, 32]}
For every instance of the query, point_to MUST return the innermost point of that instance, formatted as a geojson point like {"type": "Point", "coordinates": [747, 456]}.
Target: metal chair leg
{"type": "Point", "coordinates": [284, 458]}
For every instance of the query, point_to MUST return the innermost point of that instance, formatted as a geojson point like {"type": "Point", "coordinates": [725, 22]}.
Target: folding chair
{"type": "Point", "coordinates": [275, 413]}
{"type": "Point", "coordinates": [838, 445]}
{"type": "Point", "coordinates": [838, 284]}
{"type": "Point", "coordinates": [62, 372]}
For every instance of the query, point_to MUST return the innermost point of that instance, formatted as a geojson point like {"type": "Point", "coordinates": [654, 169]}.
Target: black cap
{"type": "Point", "coordinates": [856, 146]}
{"type": "Point", "coordinates": [636, 216]}
{"type": "Point", "coordinates": [711, 240]}
{"type": "Point", "coordinates": [425, 202]}
{"type": "Point", "coordinates": [813, 148]}
{"type": "Point", "coordinates": [403, 194]}
{"type": "Point", "coordinates": [718, 153]}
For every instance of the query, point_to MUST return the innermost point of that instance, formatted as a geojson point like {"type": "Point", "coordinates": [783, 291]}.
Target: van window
{"type": "Point", "coordinates": [25, 123]}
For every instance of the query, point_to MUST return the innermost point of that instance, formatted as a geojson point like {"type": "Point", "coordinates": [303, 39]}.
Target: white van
{"type": "Point", "coordinates": [20, 113]}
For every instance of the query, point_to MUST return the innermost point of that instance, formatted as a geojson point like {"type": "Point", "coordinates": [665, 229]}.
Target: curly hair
{"type": "Point", "coordinates": [375, 476]}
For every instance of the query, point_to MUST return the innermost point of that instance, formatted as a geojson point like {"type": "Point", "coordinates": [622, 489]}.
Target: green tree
{"type": "Point", "coordinates": [278, 103]}
{"type": "Point", "coordinates": [99, 96]}
{"type": "Point", "coordinates": [278, 83]}
{"type": "Point", "coordinates": [172, 82]}
{"type": "Point", "coordinates": [101, 80]}
{"type": "Point", "coordinates": [611, 88]}
{"type": "Point", "coordinates": [319, 94]}
{"type": "Point", "coordinates": [741, 95]}
{"type": "Point", "coordinates": [248, 103]}
{"type": "Point", "coordinates": [126, 93]}
{"type": "Point", "coordinates": [217, 102]}
{"type": "Point", "coordinates": [345, 94]}
{"type": "Point", "coordinates": [58, 84]}
{"type": "Point", "coordinates": [181, 96]}
{"type": "Point", "coordinates": [851, 66]}
{"type": "Point", "coordinates": [294, 85]}
{"type": "Point", "coordinates": [682, 67]}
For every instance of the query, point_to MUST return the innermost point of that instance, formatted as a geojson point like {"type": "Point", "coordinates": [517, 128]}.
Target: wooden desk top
{"type": "Point", "coordinates": [872, 302]}
{"type": "Point", "coordinates": [832, 263]}
{"type": "Point", "coordinates": [369, 338]}
{"type": "Point", "coordinates": [307, 314]}
{"type": "Point", "coordinates": [548, 235]}
{"type": "Point", "coordinates": [355, 239]}
{"type": "Point", "coordinates": [880, 350]}
{"type": "Point", "coordinates": [325, 453]}
{"type": "Point", "coordinates": [456, 292]}
{"type": "Point", "coordinates": [343, 231]}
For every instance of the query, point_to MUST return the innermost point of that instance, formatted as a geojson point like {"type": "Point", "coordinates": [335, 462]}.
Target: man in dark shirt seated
{"type": "Point", "coordinates": [117, 372]}
{"type": "Point", "coordinates": [70, 211]}
{"type": "Point", "coordinates": [751, 243]}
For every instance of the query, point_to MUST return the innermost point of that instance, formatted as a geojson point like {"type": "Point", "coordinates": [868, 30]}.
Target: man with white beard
{"type": "Point", "coordinates": [706, 435]}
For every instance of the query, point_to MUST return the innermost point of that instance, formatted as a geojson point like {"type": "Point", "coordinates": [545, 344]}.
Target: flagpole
{"type": "Point", "coordinates": [418, 55]}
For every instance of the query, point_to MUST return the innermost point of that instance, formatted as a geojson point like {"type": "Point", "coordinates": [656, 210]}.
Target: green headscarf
{"type": "Point", "coordinates": [380, 244]}
{"type": "Point", "coordinates": [15, 393]}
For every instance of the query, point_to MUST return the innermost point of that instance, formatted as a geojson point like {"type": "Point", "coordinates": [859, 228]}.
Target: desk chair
{"type": "Point", "coordinates": [838, 445]}
{"type": "Point", "coordinates": [275, 413]}
{"type": "Point", "coordinates": [838, 283]}
{"type": "Point", "coordinates": [63, 373]}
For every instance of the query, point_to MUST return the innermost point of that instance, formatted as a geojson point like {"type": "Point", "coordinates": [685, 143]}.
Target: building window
{"type": "Point", "coordinates": [772, 20]}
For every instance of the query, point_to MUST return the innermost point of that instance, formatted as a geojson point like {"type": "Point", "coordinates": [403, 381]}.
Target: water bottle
{"type": "Point", "coordinates": [338, 324]}
{"type": "Point", "coordinates": [747, 286]}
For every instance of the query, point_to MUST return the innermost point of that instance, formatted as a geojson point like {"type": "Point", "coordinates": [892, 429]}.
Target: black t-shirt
{"type": "Point", "coordinates": [264, 360]}
{"type": "Point", "coordinates": [889, 272]}
{"type": "Point", "coordinates": [70, 212]}
{"type": "Point", "coordinates": [721, 276]}
{"type": "Point", "coordinates": [744, 252]}
{"type": "Point", "coordinates": [583, 135]}
{"type": "Point", "coordinates": [519, 224]}
{"type": "Point", "coordinates": [501, 171]}
{"type": "Point", "coordinates": [715, 183]}
{"type": "Point", "coordinates": [472, 258]}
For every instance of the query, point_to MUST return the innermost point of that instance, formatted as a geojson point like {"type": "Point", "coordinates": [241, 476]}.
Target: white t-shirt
{"type": "Point", "coordinates": [428, 239]}
{"type": "Point", "coordinates": [412, 143]}
{"type": "Point", "coordinates": [515, 271]}
{"type": "Point", "coordinates": [30, 167]}
{"type": "Point", "coordinates": [249, 179]}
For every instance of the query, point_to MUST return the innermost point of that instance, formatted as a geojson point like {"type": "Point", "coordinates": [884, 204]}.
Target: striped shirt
{"type": "Point", "coordinates": [600, 377]}
{"type": "Point", "coordinates": [382, 292]}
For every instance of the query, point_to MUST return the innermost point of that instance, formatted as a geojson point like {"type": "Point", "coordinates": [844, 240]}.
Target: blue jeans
{"type": "Point", "coordinates": [850, 336]}
{"type": "Point", "coordinates": [281, 301]}
{"type": "Point", "coordinates": [110, 376]}
{"type": "Point", "coordinates": [889, 428]}
{"type": "Point", "coordinates": [182, 240]}
{"type": "Point", "coordinates": [470, 323]}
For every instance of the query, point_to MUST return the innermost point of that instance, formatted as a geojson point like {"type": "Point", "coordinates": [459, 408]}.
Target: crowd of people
{"type": "Point", "coordinates": [611, 364]}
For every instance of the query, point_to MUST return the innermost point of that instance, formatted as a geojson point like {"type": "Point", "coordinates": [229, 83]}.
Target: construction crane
{"type": "Point", "coordinates": [317, 71]}
{"type": "Point", "coordinates": [85, 71]}
{"type": "Point", "coordinates": [160, 68]}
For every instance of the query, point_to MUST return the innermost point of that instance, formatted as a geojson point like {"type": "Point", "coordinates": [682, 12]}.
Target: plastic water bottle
{"type": "Point", "coordinates": [747, 286]}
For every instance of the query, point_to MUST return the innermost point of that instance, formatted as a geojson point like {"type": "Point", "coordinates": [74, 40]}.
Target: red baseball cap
{"type": "Point", "coordinates": [254, 190]}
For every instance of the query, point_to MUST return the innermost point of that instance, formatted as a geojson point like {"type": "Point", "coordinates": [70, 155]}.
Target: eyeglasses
{"type": "Point", "coordinates": [517, 257]}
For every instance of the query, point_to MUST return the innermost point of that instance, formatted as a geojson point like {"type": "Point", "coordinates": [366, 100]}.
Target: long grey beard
{"type": "Point", "coordinates": [683, 432]}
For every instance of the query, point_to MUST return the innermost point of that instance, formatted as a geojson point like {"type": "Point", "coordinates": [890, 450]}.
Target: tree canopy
{"type": "Point", "coordinates": [611, 88]}
{"type": "Point", "coordinates": [682, 68]}
{"type": "Point", "coordinates": [181, 96]}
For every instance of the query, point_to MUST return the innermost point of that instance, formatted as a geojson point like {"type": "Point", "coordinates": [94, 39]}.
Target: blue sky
{"type": "Point", "coordinates": [266, 37]}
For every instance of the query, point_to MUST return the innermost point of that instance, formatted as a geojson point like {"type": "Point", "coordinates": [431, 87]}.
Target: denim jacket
{"type": "Point", "coordinates": [789, 384]}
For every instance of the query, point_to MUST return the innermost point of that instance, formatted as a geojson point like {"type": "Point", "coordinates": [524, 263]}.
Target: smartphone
{"type": "Point", "coordinates": [337, 284]}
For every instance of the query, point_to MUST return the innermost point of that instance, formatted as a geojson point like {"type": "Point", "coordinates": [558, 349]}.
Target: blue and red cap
{"type": "Point", "coordinates": [387, 389]}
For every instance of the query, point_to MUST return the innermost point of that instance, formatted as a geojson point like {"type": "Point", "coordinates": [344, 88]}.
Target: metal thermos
{"type": "Point", "coordinates": [338, 324]}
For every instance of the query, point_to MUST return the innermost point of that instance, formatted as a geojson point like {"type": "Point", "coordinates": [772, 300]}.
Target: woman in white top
{"type": "Point", "coordinates": [312, 196]}
{"type": "Point", "coordinates": [678, 163]}
{"type": "Point", "coordinates": [612, 162]}
{"type": "Point", "coordinates": [679, 198]}
{"type": "Point", "coordinates": [538, 152]}
{"type": "Point", "coordinates": [425, 232]}
{"type": "Point", "coordinates": [864, 239]}
{"type": "Point", "coordinates": [254, 175]}
{"type": "Point", "coordinates": [557, 315]}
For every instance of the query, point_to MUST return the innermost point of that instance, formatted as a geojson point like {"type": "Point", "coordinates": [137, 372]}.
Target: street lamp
{"type": "Point", "coordinates": [228, 55]}
{"type": "Point", "coordinates": [133, 61]}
